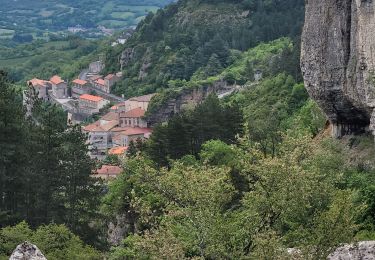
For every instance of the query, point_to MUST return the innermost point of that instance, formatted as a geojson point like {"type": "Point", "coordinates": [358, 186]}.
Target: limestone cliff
{"type": "Point", "coordinates": [186, 98]}
{"type": "Point", "coordinates": [338, 62]}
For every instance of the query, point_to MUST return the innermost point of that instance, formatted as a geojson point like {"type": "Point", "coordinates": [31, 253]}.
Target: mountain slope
{"type": "Point", "coordinates": [198, 39]}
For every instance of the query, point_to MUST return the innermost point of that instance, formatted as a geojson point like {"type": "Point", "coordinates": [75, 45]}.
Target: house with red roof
{"type": "Point", "coordinates": [100, 137]}
{"type": "Point", "coordinates": [124, 138]}
{"type": "Point", "coordinates": [133, 118]}
{"type": "Point", "coordinates": [41, 87]}
{"type": "Point", "coordinates": [118, 151]}
{"type": "Point", "coordinates": [80, 87]}
{"type": "Point", "coordinates": [59, 87]}
{"type": "Point", "coordinates": [107, 172]}
{"type": "Point", "coordinates": [90, 104]}
{"type": "Point", "coordinates": [111, 79]}
{"type": "Point", "coordinates": [135, 102]}
{"type": "Point", "coordinates": [101, 84]}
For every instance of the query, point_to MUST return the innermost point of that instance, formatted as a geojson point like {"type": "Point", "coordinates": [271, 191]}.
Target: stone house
{"type": "Point", "coordinates": [92, 78]}
{"type": "Point", "coordinates": [133, 118]}
{"type": "Point", "coordinates": [110, 116]}
{"type": "Point", "coordinates": [101, 85]}
{"type": "Point", "coordinates": [100, 138]}
{"type": "Point", "coordinates": [111, 79]}
{"type": "Point", "coordinates": [80, 87]}
{"type": "Point", "coordinates": [89, 104]}
{"type": "Point", "coordinates": [59, 87]}
{"type": "Point", "coordinates": [123, 138]}
{"type": "Point", "coordinates": [41, 87]}
{"type": "Point", "coordinates": [136, 102]}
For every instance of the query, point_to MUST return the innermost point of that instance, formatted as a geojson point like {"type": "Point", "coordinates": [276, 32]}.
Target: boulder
{"type": "Point", "coordinates": [364, 250]}
{"type": "Point", "coordinates": [27, 251]}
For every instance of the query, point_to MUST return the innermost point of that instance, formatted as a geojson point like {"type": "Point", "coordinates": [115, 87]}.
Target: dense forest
{"type": "Point", "coordinates": [246, 176]}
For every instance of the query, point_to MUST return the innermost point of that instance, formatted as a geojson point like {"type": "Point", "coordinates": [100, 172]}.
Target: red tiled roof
{"type": "Point", "coordinates": [97, 127]}
{"type": "Point", "coordinates": [56, 80]}
{"type": "Point", "coordinates": [37, 82]}
{"type": "Point", "coordinates": [90, 127]}
{"type": "Point", "coordinates": [145, 98]}
{"type": "Point", "coordinates": [120, 129]}
{"type": "Point", "coordinates": [80, 82]}
{"type": "Point", "coordinates": [117, 150]}
{"type": "Point", "coordinates": [91, 97]}
{"type": "Point", "coordinates": [134, 113]}
{"type": "Point", "coordinates": [100, 82]}
{"type": "Point", "coordinates": [136, 131]}
{"type": "Point", "coordinates": [109, 76]}
{"type": "Point", "coordinates": [109, 170]}
{"type": "Point", "coordinates": [110, 116]}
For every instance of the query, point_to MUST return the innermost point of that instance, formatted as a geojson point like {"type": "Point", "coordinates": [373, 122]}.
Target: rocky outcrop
{"type": "Point", "coordinates": [120, 227]}
{"type": "Point", "coordinates": [338, 62]}
{"type": "Point", "coordinates": [126, 57]}
{"type": "Point", "coordinates": [363, 250]}
{"type": "Point", "coordinates": [187, 98]}
{"type": "Point", "coordinates": [27, 251]}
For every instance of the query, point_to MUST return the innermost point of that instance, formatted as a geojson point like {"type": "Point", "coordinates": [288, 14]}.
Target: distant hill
{"type": "Point", "coordinates": [196, 39]}
{"type": "Point", "coordinates": [35, 16]}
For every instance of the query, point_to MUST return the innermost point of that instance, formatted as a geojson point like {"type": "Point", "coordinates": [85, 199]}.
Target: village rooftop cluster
{"type": "Point", "coordinates": [88, 95]}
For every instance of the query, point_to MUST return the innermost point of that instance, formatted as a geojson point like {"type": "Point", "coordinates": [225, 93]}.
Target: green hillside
{"type": "Point", "coordinates": [57, 15]}
{"type": "Point", "coordinates": [197, 39]}
{"type": "Point", "coordinates": [252, 175]}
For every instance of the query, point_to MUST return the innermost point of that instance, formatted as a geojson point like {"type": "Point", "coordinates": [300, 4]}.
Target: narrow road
{"type": "Point", "coordinates": [108, 96]}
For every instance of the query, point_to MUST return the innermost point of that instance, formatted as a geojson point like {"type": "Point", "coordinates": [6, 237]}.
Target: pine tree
{"type": "Point", "coordinates": [78, 194]}
{"type": "Point", "coordinates": [12, 154]}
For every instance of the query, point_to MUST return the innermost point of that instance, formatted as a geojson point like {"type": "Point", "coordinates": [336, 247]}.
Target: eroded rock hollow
{"type": "Point", "coordinates": [338, 62]}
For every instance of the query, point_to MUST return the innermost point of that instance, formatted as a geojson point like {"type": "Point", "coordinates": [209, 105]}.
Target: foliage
{"type": "Point", "coordinates": [55, 242]}
{"type": "Point", "coordinates": [166, 47]}
{"type": "Point", "coordinates": [185, 133]}
{"type": "Point", "coordinates": [268, 59]}
{"type": "Point", "coordinates": [45, 168]}
{"type": "Point", "coordinates": [292, 200]}
{"type": "Point", "coordinates": [41, 59]}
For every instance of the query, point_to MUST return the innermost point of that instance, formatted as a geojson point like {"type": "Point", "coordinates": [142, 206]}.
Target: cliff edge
{"type": "Point", "coordinates": [338, 62]}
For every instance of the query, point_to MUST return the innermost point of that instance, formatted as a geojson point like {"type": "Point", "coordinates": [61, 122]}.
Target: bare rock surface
{"type": "Point", "coordinates": [364, 250]}
{"type": "Point", "coordinates": [338, 62]}
{"type": "Point", "coordinates": [27, 251]}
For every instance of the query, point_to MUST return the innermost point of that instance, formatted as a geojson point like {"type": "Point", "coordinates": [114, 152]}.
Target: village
{"type": "Point", "coordinates": [89, 95]}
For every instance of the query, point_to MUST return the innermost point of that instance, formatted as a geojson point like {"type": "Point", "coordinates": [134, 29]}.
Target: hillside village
{"type": "Point", "coordinates": [89, 95]}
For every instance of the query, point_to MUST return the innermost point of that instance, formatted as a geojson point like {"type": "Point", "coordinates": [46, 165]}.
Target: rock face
{"type": "Point", "coordinates": [338, 62]}
{"type": "Point", "coordinates": [361, 251]}
{"type": "Point", "coordinates": [121, 227]}
{"type": "Point", "coordinates": [187, 98]}
{"type": "Point", "coordinates": [27, 251]}
{"type": "Point", "coordinates": [126, 57]}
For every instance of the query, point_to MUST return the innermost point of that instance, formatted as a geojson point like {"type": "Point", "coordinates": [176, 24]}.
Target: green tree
{"type": "Point", "coordinates": [13, 154]}
{"type": "Point", "coordinates": [55, 242]}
